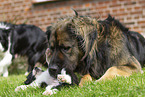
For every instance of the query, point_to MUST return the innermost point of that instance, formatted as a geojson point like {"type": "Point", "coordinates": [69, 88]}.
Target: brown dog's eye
{"type": "Point", "coordinates": [66, 48]}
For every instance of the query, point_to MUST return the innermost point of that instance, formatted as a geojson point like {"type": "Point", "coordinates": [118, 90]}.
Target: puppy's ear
{"type": "Point", "coordinates": [30, 79]}
{"type": "Point", "coordinates": [76, 13]}
{"type": "Point", "coordinates": [48, 32]}
{"type": "Point", "coordinates": [37, 71]}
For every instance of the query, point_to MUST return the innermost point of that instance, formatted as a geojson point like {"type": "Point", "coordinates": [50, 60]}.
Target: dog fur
{"type": "Point", "coordinates": [40, 78]}
{"type": "Point", "coordinates": [94, 48]}
{"type": "Point", "coordinates": [23, 40]}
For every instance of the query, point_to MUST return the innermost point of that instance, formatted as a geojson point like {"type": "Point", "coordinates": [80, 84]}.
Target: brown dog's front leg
{"type": "Point", "coordinates": [133, 66]}
{"type": "Point", "coordinates": [85, 79]}
{"type": "Point", "coordinates": [113, 72]}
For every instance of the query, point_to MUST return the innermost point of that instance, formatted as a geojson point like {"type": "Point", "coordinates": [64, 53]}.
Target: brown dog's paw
{"type": "Point", "coordinates": [85, 79]}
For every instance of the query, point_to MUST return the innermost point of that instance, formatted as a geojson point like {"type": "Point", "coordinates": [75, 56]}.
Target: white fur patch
{"type": "Point", "coordinates": [6, 61]}
{"type": "Point", "coordinates": [143, 34]}
{"type": "Point", "coordinates": [1, 47]}
{"type": "Point", "coordinates": [3, 26]}
{"type": "Point", "coordinates": [45, 77]}
{"type": "Point", "coordinates": [26, 73]}
{"type": "Point", "coordinates": [142, 72]}
{"type": "Point", "coordinates": [63, 77]}
{"type": "Point", "coordinates": [47, 53]}
{"type": "Point", "coordinates": [34, 72]}
{"type": "Point", "coordinates": [22, 87]}
{"type": "Point", "coordinates": [5, 72]}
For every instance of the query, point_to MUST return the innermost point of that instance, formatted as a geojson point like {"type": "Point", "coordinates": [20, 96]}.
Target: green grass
{"type": "Point", "coordinates": [133, 86]}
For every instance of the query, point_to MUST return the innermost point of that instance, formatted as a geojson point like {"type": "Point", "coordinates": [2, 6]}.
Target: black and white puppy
{"type": "Point", "coordinates": [22, 39]}
{"type": "Point", "coordinates": [39, 78]}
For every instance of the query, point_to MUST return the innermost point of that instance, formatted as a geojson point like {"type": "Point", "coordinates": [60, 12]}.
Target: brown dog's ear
{"type": "Point", "coordinates": [48, 32]}
{"type": "Point", "coordinates": [92, 41]}
{"type": "Point", "coordinates": [76, 13]}
{"type": "Point", "coordinates": [85, 33]}
{"type": "Point", "coordinates": [90, 50]}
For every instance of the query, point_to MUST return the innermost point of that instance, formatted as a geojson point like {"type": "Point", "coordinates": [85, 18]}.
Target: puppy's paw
{"type": "Point", "coordinates": [26, 73]}
{"type": "Point", "coordinates": [64, 78]}
{"type": "Point", "coordinates": [22, 87]}
{"type": "Point", "coordinates": [50, 92]}
{"type": "Point", "coordinates": [142, 72]}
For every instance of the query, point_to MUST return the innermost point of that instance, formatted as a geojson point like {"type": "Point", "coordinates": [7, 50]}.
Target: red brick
{"type": "Point", "coordinates": [114, 1]}
{"type": "Point", "coordinates": [122, 9]}
{"type": "Point", "coordinates": [129, 9]}
{"type": "Point", "coordinates": [136, 17]}
{"type": "Point", "coordinates": [103, 7]}
{"type": "Point", "coordinates": [143, 16]}
{"type": "Point", "coordinates": [107, 2]}
{"type": "Point", "coordinates": [141, 22]}
{"type": "Point", "coordinates": [124, 0]}
{"type": "Point", "coordinates": [44, 14]}
{"type": "Point", "coordinates": [129, 3]}
{"type": "Point", "coordinates": [100, 3]}
{"type": "Point", "coordinates": [114, 10]}
{"type": "Point", "coordinates": [129, 18]}
{"type": "Point", "coordinates": [137, 7]}
{"type": "Point", "coordinates": [142, 26]}
{"type": "Point", "coordinates": [122, 14]}
{"type": "Point", "coordinates": [115, 5]}
{"type": "Point", "coordinates": [142, 1]}
{"type": "Point", "coordinates": [136, 13]}
{"type": "Point", "coordinates": [87, 5]}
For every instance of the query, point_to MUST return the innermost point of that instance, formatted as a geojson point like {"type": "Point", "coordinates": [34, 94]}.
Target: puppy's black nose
{"type": "Point", "coordinates": [53, 70]}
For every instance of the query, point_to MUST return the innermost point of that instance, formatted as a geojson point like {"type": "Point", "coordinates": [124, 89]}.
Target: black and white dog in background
{"type": "Point", "coordinates": [39, 78]}
{"type": "Point", "coordinates": [22, 39]}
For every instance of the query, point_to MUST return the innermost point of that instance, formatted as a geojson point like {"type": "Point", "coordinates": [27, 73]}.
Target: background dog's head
{"type": "Point", "coordinates": [4, 34]}
{"type": "Point", "coordinates": [33, 75]}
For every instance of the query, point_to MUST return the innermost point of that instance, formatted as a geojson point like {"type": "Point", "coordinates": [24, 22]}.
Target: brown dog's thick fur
{"type": "Point", "coordinates": [93, 48]}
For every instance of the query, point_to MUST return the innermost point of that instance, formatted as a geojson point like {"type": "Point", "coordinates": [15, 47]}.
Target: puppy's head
{"type": "Point", "coordinates": [33, 75]}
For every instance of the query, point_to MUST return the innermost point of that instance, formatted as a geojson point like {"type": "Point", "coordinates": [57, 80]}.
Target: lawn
{"type": "Point", "coordinates": [133, 86]}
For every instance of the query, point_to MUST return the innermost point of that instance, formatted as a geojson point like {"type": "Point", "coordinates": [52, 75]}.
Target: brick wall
{"type": "Point", "coordinates": [129, 12]}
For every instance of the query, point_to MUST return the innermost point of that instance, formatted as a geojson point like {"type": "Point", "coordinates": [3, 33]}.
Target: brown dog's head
{"type": "Point", "coordinates": [70, 44]}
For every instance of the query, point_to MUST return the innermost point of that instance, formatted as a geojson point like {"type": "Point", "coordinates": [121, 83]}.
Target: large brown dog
{"type": "Point", "coordinates": [93, 48]}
